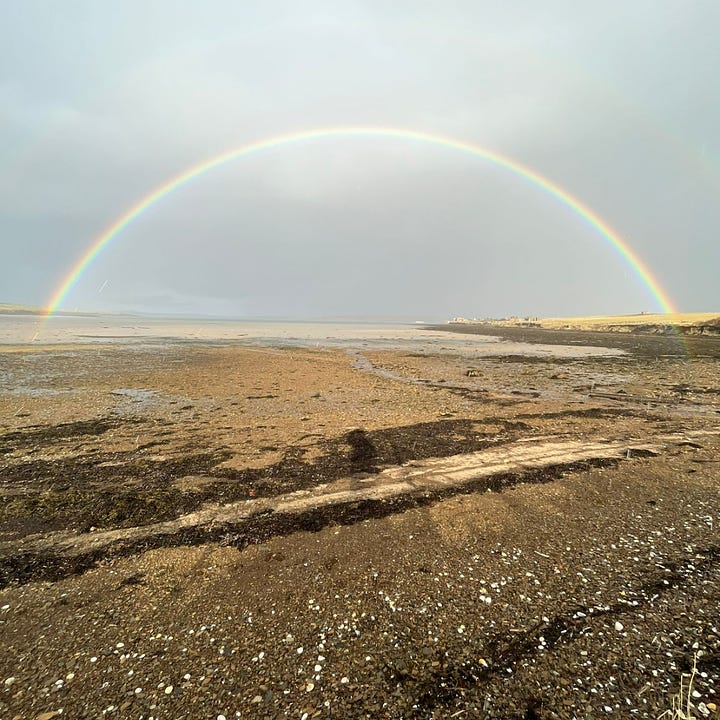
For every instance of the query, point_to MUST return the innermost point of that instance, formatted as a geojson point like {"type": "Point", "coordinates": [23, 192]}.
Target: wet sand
{"type": "Point", "coordinates": [379, 526]}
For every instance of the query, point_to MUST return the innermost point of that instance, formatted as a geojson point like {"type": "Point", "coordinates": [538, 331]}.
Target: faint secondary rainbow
{"type": "Point", "coordinates": [620, 245]}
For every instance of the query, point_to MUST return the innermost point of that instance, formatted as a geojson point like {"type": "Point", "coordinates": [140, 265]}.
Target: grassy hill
{"type": "Point", "coordinates": [685, 323]}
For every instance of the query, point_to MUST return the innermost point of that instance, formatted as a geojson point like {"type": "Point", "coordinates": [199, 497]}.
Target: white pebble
{"type": "Point", "coordinates": [93, 659]}
{"type": "Point", "coordinates": [168, 689]}
{"type": "Point", "coordinates": [9, 681]}
{"type": "Point", "coordinates": [310, 686]}
{"type": "Point", "coordinates": [186, 676]}
{"type": "Point", "coordinates": [300, 650]}
{"type": "Point", "coordinates": [220, 717]}
{"type": "Point", "coordinates": [619, 627]}
{"type": "Point", "coordinates": [318, 668]}
{"type": "Point", "coordinates": [344, 680]}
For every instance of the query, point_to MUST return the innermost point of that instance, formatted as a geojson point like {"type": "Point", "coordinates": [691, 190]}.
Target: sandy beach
{"type": "Point", "coordinates": [357, 522]}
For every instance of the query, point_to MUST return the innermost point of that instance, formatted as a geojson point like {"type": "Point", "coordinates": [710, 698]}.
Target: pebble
{"type": "Point", "coordinates": [619, 626]}
{"type": "Point", "coordinates": [168, 689]}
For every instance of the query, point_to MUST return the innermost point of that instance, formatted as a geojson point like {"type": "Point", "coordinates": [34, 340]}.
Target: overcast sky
{"type": "Point", "coordinates": [617, 102]}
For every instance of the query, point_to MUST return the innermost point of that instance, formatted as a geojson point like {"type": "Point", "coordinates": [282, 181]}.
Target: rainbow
{"type": "Point", "coordinates": [616, 241]}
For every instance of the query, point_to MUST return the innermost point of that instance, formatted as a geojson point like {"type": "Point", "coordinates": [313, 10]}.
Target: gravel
{"type": "Point", "coordinates": [600, 600]}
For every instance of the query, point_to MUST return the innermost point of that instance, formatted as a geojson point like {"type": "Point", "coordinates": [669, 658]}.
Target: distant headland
{"type": "Point", "coordinates": [707, 323]}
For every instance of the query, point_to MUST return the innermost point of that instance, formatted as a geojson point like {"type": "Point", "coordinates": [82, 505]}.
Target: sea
{"type": "Point", "coordinates": [23, 331]}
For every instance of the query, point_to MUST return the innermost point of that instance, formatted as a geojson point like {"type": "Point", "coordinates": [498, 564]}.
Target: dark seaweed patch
{"type": "Point", "coordinates": [43, 434]}
{"type": "Point", "coordinates": [126, 489]}
{"type": "Point", "coordinates": [24, 567]}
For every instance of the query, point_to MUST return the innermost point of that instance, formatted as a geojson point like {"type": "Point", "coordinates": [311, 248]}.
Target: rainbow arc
{"type": "Point", "coordinates": [639, 268]}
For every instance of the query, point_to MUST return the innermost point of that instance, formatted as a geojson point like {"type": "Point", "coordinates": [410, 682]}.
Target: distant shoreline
{"type": "Point", "coordinates": [707, 324]}
{"type": "Point", "coordinates": [28, 311]}
{"type": "Point", "coordinates": [638, 342]}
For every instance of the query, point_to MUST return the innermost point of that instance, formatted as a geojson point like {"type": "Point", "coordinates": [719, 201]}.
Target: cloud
{"type": "Point", "coordinates": [103, 103]}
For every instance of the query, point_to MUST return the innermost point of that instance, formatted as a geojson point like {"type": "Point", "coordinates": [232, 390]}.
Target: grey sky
{"type": "Point", "coordinates": [617, 102]}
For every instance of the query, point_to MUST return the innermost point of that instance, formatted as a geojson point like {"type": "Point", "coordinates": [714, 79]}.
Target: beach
{"type": "Point", "coordinates": [331, 520]}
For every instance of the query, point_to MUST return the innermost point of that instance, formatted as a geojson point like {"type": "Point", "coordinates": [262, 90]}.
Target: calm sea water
{"type": "Point", "coordinates": [116, 329]}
